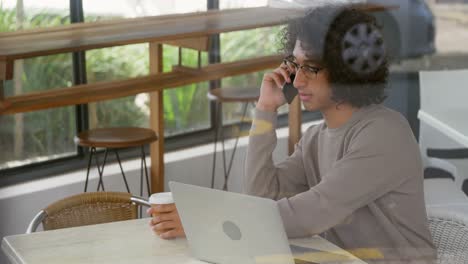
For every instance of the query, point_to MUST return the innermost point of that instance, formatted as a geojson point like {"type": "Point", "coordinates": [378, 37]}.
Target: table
{"type": "Point", "coordinates": [444, 108]}
{"type": "Point", "coordinates": [443, 103]}
{"type": "Point", "coordinates": [451, 122]}
{"type": "Point", "coordinates": [118, 242]}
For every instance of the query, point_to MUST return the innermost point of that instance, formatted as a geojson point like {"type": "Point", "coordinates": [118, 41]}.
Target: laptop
{"type": "Point", "coordinates": [231, 228]}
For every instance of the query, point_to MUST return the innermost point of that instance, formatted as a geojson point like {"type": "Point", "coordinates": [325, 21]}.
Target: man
{"type": "Point", "coordinates": [356, 178]}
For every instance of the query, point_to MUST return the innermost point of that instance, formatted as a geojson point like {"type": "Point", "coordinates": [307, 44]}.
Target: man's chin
{"type": "Point", "coordinates": [310, 107]}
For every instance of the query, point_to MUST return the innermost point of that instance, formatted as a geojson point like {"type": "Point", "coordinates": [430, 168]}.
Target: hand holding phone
{"type": "Point", "coordinates": [289, 90]}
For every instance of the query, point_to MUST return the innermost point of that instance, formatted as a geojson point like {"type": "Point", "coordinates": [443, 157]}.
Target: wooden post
{"type": "Point", "coordinates": [295, 120]}
{"type": "Point", "coordinates": [3, 72]}
{"type": "Point", "coordinates": [2, 93]}
{"type": "Point", "coordinates": [157, 121]}
{"type": "Point", "coordinates": [6, 69]}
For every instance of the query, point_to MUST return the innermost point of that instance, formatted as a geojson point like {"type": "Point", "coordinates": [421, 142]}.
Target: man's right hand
{"type": "Point", "coordinates": [165, 221]}
{"type": "Point", "coordinates": [271, 94]}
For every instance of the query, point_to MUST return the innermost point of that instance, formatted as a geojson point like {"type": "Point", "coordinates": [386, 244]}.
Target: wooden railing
{"type": "Point", "coordinates": [82, 94]}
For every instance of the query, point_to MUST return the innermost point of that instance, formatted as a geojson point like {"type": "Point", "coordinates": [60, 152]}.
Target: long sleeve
{"type": "Point", "coordinates": [264, 178]}
{"type": "Point", "coordinates": [370, 168]}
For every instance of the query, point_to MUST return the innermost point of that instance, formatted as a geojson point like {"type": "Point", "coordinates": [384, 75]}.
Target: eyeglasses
{"type": "Point", "coordinates": [309, 71]}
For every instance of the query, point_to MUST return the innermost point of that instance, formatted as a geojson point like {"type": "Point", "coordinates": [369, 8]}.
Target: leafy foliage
{"type": "Point", "coordinates": [42, 133]}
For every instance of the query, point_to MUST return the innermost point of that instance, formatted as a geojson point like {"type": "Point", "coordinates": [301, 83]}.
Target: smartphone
{"type": "Point", "coordinates": [289, 90]}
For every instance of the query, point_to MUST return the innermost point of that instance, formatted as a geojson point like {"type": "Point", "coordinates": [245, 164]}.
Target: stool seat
{"type": "Point", "coordinates": [234, 94]}
{"type": "Point", "coordinates": [111, 139]}
{"type": "Point", "coordinates": [118, 137]}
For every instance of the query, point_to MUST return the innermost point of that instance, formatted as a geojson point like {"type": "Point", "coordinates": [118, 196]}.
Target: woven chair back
{"type": "Point", "coordinates": [89, 209]}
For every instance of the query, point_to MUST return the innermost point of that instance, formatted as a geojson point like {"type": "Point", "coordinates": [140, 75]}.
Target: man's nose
{"type": "Point", "coordinates": [299, 80]}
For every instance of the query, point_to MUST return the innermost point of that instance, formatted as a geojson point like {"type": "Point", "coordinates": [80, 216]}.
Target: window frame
{"type": "Point", "coordinates": [56, 167]}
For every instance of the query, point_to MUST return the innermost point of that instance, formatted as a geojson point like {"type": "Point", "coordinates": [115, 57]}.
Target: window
{"type": "Point", "coordinates": [240, 45]}
{"type": "Point", "coordinates": [47, 135]}
{"type": "Point", "coordinates": [243, 45]}
{"type": "Point", "coordinates": [42, 135]}
{"type": "Point", "coordinates": [186, 108]}
{"type": "Point", "coordinates": [32, 138]}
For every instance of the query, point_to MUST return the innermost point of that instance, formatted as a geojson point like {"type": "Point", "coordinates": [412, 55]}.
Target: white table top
{"type": "Point", "coordinates": [451, 122]}
{"type": "Point", "coordinates": [118, 242]}
{"type": "Point", "coordinates": [443, 103]}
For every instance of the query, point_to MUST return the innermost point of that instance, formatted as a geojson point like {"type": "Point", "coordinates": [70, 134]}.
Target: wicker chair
{"type": "Point", "coordinates": [449, 230]}
{"type": "Point", "coordinates": [88, 209]}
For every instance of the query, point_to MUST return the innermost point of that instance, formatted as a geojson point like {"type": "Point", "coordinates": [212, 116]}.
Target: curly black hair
{"type": "Point", "coordinates": [321, 32]}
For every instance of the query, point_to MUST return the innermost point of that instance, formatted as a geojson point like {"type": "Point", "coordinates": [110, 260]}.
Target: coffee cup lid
{"type": "Point", "coordinates": [161, 198]}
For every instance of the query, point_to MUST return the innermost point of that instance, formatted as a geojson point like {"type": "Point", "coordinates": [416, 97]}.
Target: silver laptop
{"type": "Point", "coordinates": [231, 228]}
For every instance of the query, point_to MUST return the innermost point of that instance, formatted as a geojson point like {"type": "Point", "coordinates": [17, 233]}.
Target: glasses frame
{"type": "Point", "coordinates": [308, 69]}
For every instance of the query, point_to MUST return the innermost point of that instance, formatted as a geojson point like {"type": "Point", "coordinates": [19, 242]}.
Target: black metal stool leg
{"type": "Point", "coordinates": [244, 113]}
{"type": "Point", "coordinates": [121, 169]}
{"type": "Point", "coordinates": [226, 175]}
{"type": "Point", "coordinates": [213, 170]}
{"type": "Point", "coordinates": [224, 158]}
{"type": "Point", "coordinates": [141, 178]}
{"type": "Point", "coordinates": [140, 213]}
{"type": "Point", "coordinates": [96, 160]}
{"type": "Point", "coordinates": [101, 169]}
{"type": "Point", "coordinates": [146, 169]}
{"type": "Point", "coordinates": [92, 151]}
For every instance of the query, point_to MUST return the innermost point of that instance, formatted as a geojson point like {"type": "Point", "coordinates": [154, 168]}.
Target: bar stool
{"type": "Point", "coordinates": [247, 95]}
{"type": "Point", "coordinates": [113, 139]}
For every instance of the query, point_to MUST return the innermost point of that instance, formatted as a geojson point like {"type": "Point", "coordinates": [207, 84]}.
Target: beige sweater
{"type": "Point", "coordinates": [360, 185]}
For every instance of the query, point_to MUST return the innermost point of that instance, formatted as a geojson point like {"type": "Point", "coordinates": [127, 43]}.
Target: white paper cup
{"type": "Point", "coordinates": [160, 198]}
